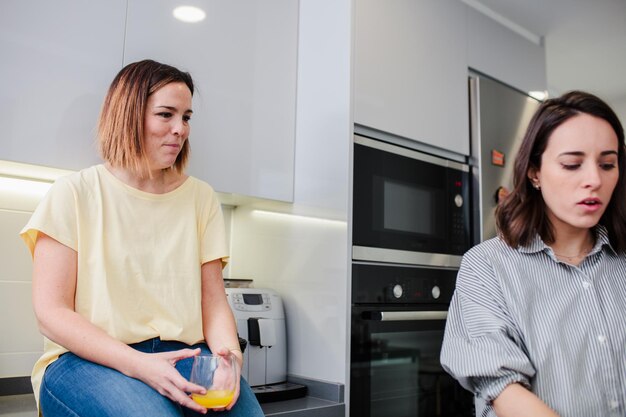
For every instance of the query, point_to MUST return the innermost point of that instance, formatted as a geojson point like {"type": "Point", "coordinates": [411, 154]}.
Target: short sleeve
{"type": "Point", "coordinates": [55, 216]}
{"type": "Point", "coordinates": [482, 348]}
{"type": "Point", "coordinates": [213, 232]}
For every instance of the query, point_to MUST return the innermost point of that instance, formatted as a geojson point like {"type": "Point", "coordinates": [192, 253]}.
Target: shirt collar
{"type": "Point", "coordinates": [602, 239]}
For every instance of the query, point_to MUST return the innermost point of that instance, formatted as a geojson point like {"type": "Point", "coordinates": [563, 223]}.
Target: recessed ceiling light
{"type": "Point", "coordinates": [189, 14]}
{"type": "Point", "coordinates": [539, 95]}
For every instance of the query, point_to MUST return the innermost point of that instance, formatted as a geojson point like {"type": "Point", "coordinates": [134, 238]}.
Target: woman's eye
{"type": "Point", "coordinates": [165, 114]}
{"type": "Point", "coordinates": [186, 118]}
{"type": "Point", "coordinates": [607, 166]}
{"type": "Point", "coordinates": [570, 167]}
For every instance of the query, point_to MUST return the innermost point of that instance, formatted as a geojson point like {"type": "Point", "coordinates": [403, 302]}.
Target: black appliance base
{"type": "Point", "coordinates": [279, 392]}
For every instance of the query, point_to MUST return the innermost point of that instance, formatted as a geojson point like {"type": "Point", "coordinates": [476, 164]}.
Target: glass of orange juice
{"type": "Point", "coordinates": [218, 375]}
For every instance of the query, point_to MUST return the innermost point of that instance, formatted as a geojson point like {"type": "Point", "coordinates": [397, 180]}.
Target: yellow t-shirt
{"type": "Point", "coordinates": [139, 254]}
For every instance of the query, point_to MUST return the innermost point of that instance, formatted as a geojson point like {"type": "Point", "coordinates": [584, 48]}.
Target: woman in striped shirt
{"type": "Point", "coordinates": [536, 324]}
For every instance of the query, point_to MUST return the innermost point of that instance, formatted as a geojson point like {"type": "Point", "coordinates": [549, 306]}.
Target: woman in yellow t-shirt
{"type": "Point", "coordinates": [127, 265]}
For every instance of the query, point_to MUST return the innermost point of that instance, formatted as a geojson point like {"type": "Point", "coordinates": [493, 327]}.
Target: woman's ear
{"type": "Point", "coordinates": [533, 177]}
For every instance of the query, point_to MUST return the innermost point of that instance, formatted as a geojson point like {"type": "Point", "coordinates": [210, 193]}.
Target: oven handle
{"type": "Point", "coordinates": [405, 315]}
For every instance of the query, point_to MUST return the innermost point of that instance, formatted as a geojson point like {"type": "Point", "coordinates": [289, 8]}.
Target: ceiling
{"type": "Point", "coordinates": [585, 43]}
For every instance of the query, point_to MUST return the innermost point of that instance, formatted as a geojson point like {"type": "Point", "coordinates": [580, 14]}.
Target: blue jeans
{"type": "Point", "coordinates": [75, 387]}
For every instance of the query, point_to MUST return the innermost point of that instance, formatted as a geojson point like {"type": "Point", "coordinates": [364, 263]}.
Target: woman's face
{"type": "Point", "coordinates": [579, 171]}
{"type": "Point", "coordinates": [166, 124]}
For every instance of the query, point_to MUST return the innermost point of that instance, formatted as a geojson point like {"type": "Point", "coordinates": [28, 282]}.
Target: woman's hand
{"type": "Point", "coordinates": [238, 362]}
{"type": "Point", "coordinates": [158, 371]}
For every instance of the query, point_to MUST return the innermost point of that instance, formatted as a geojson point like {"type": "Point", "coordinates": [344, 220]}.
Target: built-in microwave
{"type": "Point", "coordinates": [409, 206]}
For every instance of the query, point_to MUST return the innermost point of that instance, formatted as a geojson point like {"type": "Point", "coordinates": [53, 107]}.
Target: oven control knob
{"type": "Point", "coordinates": [458, 200]}
{"type": "Point", "coordinates": [397, 290]}
{"type": "Point", "coordinates": [436, 292]}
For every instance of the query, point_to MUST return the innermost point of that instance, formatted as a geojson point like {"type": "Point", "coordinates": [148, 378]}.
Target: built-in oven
{"type": "Point", "coordinates": [398, 322]}
{"type": "Point", "coordinates": [408, 206]}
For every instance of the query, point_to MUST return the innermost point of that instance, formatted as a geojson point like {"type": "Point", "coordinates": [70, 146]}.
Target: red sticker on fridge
{"type": "Point", "coordinates": [497, 158]}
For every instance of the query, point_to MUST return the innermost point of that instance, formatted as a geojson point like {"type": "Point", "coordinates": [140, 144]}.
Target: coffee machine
{"type": "Point", "coordinates": [260, 319]}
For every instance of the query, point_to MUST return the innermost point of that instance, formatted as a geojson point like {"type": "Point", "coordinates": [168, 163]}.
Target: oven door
{"type": "Point", "coordinates": [408, 202]}
{"type": "Point", "coordinates": [395, 368]}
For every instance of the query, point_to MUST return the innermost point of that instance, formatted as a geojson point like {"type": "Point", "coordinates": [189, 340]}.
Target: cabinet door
{"type": "Point", "coordinates": [410, 70]}
{"type": "Point", "coordinates": [58, 59]}
{"type": "Point", "coordinates": [243, 59]}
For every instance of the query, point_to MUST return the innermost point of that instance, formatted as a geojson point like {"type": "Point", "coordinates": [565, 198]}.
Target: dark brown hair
{"type": "Point", "coordinates": [121, 124]}
{"type": "Point", "coordinates": [522, 214]}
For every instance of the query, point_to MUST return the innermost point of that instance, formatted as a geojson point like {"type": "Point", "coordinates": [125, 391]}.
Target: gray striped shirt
{"type": "Point", "coordinates": [521, 315]}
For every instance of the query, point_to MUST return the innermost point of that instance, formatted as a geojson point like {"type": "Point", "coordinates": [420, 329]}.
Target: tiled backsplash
{"type": "Point", "coordinates": [21, 343]}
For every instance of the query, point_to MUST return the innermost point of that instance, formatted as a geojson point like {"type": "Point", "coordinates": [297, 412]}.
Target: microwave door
{"type": "Point", "coordinates": [409, 205]}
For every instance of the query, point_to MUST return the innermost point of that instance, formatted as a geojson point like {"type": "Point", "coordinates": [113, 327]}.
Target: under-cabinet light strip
{"type": "Point", "coordinates": [290, 216]}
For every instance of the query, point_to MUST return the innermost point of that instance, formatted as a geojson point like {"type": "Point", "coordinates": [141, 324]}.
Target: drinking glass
{"type": "Point", "coordinates": [217, 374]}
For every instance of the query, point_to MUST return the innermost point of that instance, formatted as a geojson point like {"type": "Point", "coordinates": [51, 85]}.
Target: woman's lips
{"type": "Point", "coordinates": [172, 146]}
{"type": "Point", "coordinates": [590, 204]}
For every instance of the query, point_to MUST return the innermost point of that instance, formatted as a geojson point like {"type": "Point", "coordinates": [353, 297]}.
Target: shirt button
{"type": "Point", "coordinates": [586, 285]}
{"type": "Point", "coordinates": [601, 338]}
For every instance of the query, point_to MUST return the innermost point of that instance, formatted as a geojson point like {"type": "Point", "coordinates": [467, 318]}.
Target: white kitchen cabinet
{"type": "Point", "coordinates": [410, 70]}
{"type": "Point", "coordinates": [243, 58]}
{"type": "Point", "coordinates": [58, 59]}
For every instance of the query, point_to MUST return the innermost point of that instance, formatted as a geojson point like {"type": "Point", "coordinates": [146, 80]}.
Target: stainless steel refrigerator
{"type": "Point", "coordinates": [499, 116]}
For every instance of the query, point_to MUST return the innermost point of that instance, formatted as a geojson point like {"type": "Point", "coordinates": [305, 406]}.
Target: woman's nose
{"type": "Point", "coordinates": [593, 177]}
{"type": "Point", "coordinates": [179, 127]}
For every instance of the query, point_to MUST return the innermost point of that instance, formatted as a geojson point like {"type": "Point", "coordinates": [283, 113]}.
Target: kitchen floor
{"type": "Point", "coordinates": [18, 406]}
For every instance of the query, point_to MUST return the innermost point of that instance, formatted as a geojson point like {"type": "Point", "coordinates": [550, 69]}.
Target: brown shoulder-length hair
{"type": "Point", "coordinates": [522, 214]}
{"type": "Point", "coordinates": [121, 123]}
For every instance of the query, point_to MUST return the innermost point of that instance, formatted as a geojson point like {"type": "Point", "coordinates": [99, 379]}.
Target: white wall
{"type": "Point", "coordinates": [304, 254]}
{"type": "Point", "coordinates": [619, 106]}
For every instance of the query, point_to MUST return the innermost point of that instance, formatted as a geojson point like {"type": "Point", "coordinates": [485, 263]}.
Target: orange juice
{"type": "Point", "coordinates": [214, 398]}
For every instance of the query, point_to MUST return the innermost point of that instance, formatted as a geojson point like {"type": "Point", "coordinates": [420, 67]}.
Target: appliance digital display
{"type": "Point", "coordinates": [253, 299]}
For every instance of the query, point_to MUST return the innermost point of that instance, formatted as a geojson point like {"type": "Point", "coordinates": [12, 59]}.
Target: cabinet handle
{"type": "Point", "coordinates": [405, 315]}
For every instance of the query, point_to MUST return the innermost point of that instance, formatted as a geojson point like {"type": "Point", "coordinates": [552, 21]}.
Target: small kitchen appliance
{"type": "Point", "coordinates": [410, 207]}
{"type": "Point", "coordinates": [260, 319]}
